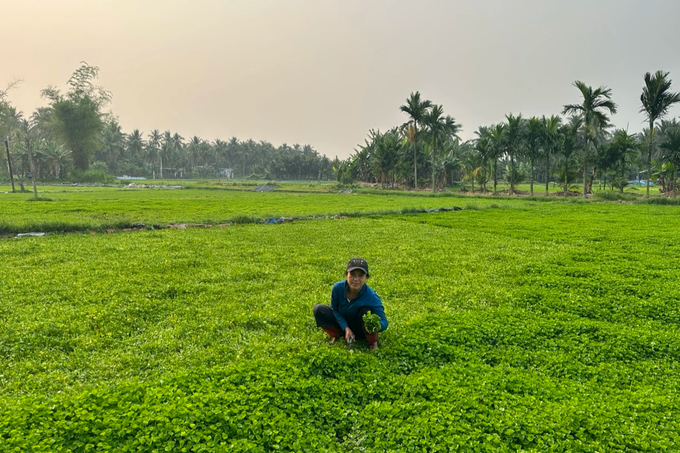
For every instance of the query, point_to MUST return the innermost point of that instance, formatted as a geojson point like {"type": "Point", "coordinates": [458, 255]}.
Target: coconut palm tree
{"type": "Point", "coordinates": [43, 119]}
{"type": "Point", "coordinates": [568, 146]}
{"type": "Point", "coordinates": [439, 129]}
{"type": "Point", "coordinates": [249, 155]}
{"type": "Point", "coordinates": [360, 164]}
{"type": "Point", "coordinates": [11, 118]}
{"type": "Point", "coordinates": [450, 161]}
{"type": "Point", "coordinates": [153, 146]}
{"type": "Point", "coordinates": [134, 145]}
{"type": "Point", "coordinates": [551, 142]}
{"type": "Point", "coordinates": [484, 147]}
{"type": "Point", "coordinates": [498, 146]}
{"type": "Point", "coordinates": [515, 134]}
{"type": "Point", "coordinates": [534, 142]}
{"type": "Point", "coordinates": [112, 145]}
{"type": "Point", "coordinates": [671, 148]}
{"type": "Point", "coordinates": [593, 118]}
{"type": "Point", "coordinates": [29, 135]}
{"type": "Point", "coordinates": [416, 109]}
{"type": "Point", "coordinates": [620, 150]}
{"type": "Point", "coordinates": [55, 154]}
{"type": "Point", "coordinates": [383, 152]}
{"type": "Point", "coordinates": [221, 151]}
{"type": "Point", "coordinates": [472, 164]}
{"type": "Point", "coordinates": [194, 151]}
{"type": "Point", "coordinates": [656, 100]}
{"type": "Point", "coordinates": [180, 157]}
{"type": "Point", "coordinates": [665, 126]}
{"type": "Point", "coordinates": [166, 149]}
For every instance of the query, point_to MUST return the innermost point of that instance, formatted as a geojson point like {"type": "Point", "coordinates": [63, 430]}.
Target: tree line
{"type": "Point", "coordinates": [577, 145]}
{"type": "Point", "coordinates": [74, 134]}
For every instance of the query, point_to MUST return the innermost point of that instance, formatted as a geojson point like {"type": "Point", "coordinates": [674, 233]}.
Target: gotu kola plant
{"type": "Point", "coordinates": [371, 322]}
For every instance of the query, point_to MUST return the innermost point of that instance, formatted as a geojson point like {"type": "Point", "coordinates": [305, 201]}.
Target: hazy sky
{"type": "Point", "coordinates": [323, 72]}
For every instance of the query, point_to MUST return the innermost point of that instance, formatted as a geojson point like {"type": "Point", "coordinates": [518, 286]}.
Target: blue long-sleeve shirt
{"type": "Point", "coordinates": [343, 308]}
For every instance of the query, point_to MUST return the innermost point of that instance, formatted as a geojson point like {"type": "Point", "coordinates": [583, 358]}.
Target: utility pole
{"type": "Point", "coordinates": [31, 166]}
{"type": "Point", "coordinates": [9, 163]}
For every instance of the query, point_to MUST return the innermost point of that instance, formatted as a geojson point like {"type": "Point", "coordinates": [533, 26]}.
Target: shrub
{"type": "Point", "coordinates": [662, 201]}
{"type": "Point", "coordinates": [91, 177]}
{"type": "Point", "coordinates": [99, 165]}
{"type": "Point", "coordinates": [614, 196]}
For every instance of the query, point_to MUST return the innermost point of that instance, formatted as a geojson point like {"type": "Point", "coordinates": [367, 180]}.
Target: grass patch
{"type": "Point", "coordinates": [661, 201]}
{"type": "Point", "coordinates": [615, 196]}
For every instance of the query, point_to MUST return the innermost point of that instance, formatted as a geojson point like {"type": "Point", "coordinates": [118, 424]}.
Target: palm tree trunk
{"type": "Point", "coordinates": [161, 159]}
{"type": "Point", "coordinates": [415, 166]}
{"type": "Point", "coordinates": [547, 174]}
{"type": "Point", "coordinates": [483, 188]}
{"type": "Point", "coordinates": [9, 164]}
{"type": "Point", "coordinates": [32, 167]}
{"type": "Point", "coordinates": [623, 175]}
{"type": "Point", "coordinates": [433, 173]}
{"type": "Point", "coordinates": [532, 177]}
{"type": "Point", "coordinates": [566, 176]}
{"type": "Point", "coordinates": [649, 154]}
{"type": "Point", "coordinates": [512, 175]}
{"type": "Point", "coordinates": [585, 174]}
{"type": "Point", "coordinates": [495, 170]}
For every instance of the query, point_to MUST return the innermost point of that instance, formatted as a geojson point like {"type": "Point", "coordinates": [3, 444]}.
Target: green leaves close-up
{"type": "Point", "coordinates": [371, 322]}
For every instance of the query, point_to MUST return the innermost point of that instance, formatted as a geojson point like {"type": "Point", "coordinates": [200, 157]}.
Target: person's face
{"type": "Point", "coordinates": [356, 279]}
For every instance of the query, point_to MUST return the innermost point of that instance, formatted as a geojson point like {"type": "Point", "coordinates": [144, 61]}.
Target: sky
{"type": "Point", "coordinates": [324, 72]}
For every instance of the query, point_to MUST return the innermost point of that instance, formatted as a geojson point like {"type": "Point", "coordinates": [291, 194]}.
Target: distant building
{"type": "Point", "coordinates": [177, 173]}
{"type": "Point", "coordinates": [226, 173]}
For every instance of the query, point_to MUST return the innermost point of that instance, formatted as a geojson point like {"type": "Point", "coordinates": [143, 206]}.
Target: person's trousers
{"type": "Point", "coordinates": [323, 314]}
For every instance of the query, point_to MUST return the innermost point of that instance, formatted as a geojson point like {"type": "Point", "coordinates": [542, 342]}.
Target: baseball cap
{"type": "Point", "coordinates": [357, 263]}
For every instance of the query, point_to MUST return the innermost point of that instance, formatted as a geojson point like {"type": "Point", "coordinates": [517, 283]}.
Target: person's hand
{"type": "Point", "coordinates": [349, 335]}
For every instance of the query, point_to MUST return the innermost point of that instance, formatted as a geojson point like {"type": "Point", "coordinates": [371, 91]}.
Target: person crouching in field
{"type": "Point", "coordinates": [351, 299]}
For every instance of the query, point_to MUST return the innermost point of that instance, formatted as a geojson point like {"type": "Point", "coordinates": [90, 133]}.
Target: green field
{"type": "Point", "coordinates": [97, 208]}
{"type": "Point", "coordinates": [519, 326]}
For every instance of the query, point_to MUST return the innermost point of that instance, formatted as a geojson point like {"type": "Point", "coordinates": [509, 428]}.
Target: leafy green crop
{"type": "Point", "coordinates": [532, 327]}
{"type": "Point", "coordinates": [371, 322]}
{"type": "Point", "coordinates": [83, 209]}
